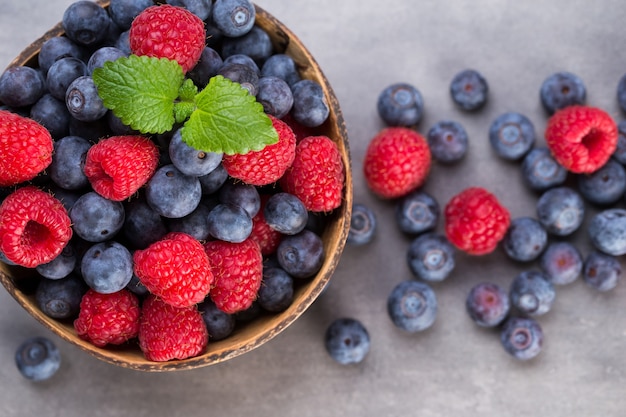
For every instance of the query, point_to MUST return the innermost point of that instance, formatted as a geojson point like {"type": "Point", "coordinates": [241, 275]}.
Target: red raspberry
{"type": "Point", "coordinates": [25, 148]}
{"type": "Point", "coordinates": [176, 269]}
{"type": "Point", "coordinates": [167, 332]}
{"type": "Point", "coordinates": [238, 270]}
{"type": "Point", "coordinates": [168, 32]}
{"type": "Point", "coordinates": [316, 175]}
{"type": "Point", "coordinates": [397, 161]}
{"type": "Point", "coordinates": [34, 227]}
{"type": "Point", "coordinates": [108, 319]}
{"type": "Point", "coordinates": [267, 165]}
{"type": "Point", "coordinates": [475, 221]}
{"type": "Point", "coordinates": [581, 138]}
{"type": "Point", "coordinates": [267, 238]}
{"type": "Point", "coordinates": [118, 166]}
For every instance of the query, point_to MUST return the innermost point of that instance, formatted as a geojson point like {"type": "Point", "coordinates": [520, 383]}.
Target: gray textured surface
{"type": "Point", "coordinates": [453, 368]}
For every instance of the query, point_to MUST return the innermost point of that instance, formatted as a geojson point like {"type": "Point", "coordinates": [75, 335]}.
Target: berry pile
{"type": "Point", "coordinates": [146, 236]}
{"type": "Point", "coordinates": [580, 171]}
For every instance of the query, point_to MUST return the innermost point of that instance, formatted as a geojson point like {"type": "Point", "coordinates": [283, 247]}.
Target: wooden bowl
{"type": "Point", "coordinates": [19, 281]}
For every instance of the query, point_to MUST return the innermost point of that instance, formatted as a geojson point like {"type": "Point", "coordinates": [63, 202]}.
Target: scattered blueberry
{"type": "Point", "coordinates": [189, 160]}
{"type": "Point", "coordinates": [347, 341]}
{"type": "Point", "coordinates": [525, 239]}
{"type": "Point", "coordinates": [469, 90]}
{"type": "Point", "coordinates": [285, 213]}
{"type": "Point", "coordinates": [448, 141]}
{"type": "Point", "coordinates": [95, 218]}
{"type": "Point", "coordinates": [276, 291]}
{"type": "Point", "coordinates": [229, 222]}
{"type": "Point", "coordinates": [417, 212]}
{"type": "Point", "coordinates": [561, 262]}
{"type": "Point", "coordinates": [560, 90]}
{"type": "Point", "coordinates": [607, 231]}
{"type": "Point", "coordinates": [38, 359]}
{"type": "Point", "coordinates": [66, 169]}
{"type": "Point", "coordinates": [107, 267]}
{"type": "Point", "coordinates": [400, 104]}
{"type": "Point", "coordinates": [21, 86]}
{"type": "Point", "coordinates": [173, 194]}
{"type": "Point", "coordinates": [487, 304]}
{"type": "Point", "coordinates": [601, 271]}
{"type": "Point", "coordinates": [275, 95]}
{"type": "Point", "coordinates": [218, 323]}
{"type": "Point", "coordinates": [561, 210]}
{"type": "Point", "coordinates": [82, 100]}
{"type": "Point", "coordinates": [363, 225]}
{"type": "Point", "coordinates": [86, 23]}
{"type": "Point", "coordinates": [604, 186]}
{"type": "Point", "coordinates": [281, 66]}
{"type": "Point", "coordinates": [532, 293]}
{"type": "Point", "coordinates": [541, 171]}
{"type": "Point", "coordinates": [412, 306]}
{"type": "Point", "coordinates": [310, 107]}
{"type": "Point", "coordinates": [233, 17]}
{"type": "Point", "coordinates": [301, 255]}
{"type": "Point", "coordinates": [431, 257]}
{"type": "Point", "coordinates": [512, 135]}
{"type": "Point", "coordinates": [522, 337]}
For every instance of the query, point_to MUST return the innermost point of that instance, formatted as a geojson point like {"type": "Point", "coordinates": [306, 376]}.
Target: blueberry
{"type": "Point", "coordinates": [249, 314]}
{"type": "Point", "coordinates": [38, 359]}
{"type": "Point", "coordinates": [417, 212]}
{"type": "Point", "coordinates": [285, 213]}
{"type": "Point", "coordinates": [560, 210]}
{"type": "Point", "coordinates": [123, 12]}
{"type": "Point", "coordinates": [142, 224]}
{"type": "Point", "coordinates": [275, 95]}
{"type": "Point", "coordinates": [61, 266]}
{"type": "Point", "coordinates": [607, 231]}
{"type": "Point", "coordinates": [218, 323]}
{"type": "Point", "coordinates": [66, 197]}
{"type": "Point", "coordinates": [532, 293]}
{"type": "Point", "coordinates": [363, 225]}
{"type": "Point", "coordinates": [136, 287]}
{"type": "Point", "coordinates": [95, 218]}
{"type": "Point", "coordinates": [256, 44]}
{"type": "Point", "coordinates": [173, 194]}
{"type": "Point", "coordinates": [560, 90]}
{"type": "Point", "coordinates": [242, 74]}
{"type": "Point", "coordinates": [191, 161]}
{"type": "Point", "coordinates": [107, 267]}
{"type": "Point", "coordinates": [310, 107]}
{"type": "Point", "coordinates": [214, 180]}
{"type": "Point", "coordinates": [487, 304]}
{"type": "Point", "coordinates": [561, 262]}
{"type": "Point", "coordinates": [620, 152]}
{"type": "Point", "coordinates": [243, 59]}
{"type": "Point", "coordinates": [522, 337]}
{"type": "Point", "coordinates": [60, 298]}
{"type": "Point", "coordinates": [118, 127]}
{"type": "Point", "coordinates": [201, 8]}
{"type": "Point", "coordinates": [448, 141]}
{"type": "Point", "coordinates": [62, 73]}
{"type": "Point", "coordinates": [412, 306]}
{"type": "Point", "coordinates": [347, 341]}
{"type": "Point", "coordinates": [512, 135]}
{"type": "Point", "coordinates": [301, 255]}
{"type": "Point", "coordinates": [431, 257]}
{"type": "Point", "coordinates": [21, 86]}
{"type": "Point", "coordinates": [52, 114]}
{"type": "Point", "coordinates": [469, 90]}
{"type": "Point", "coordinates": [541, 171]}
{"type": "Point", "coordinates": [400, 104]}
{"type": "Point", "coordinates": [208, 66]}
{"type": "Point", "coordinates": [194, 224]}
{"type": "Point", "coordinates": [525, 239]}
{"type": "Point", "coordinates": [241, 194]}
{"type": "Point", "coordinates": [56, 48]}
{"type": "Point", "coordinates": [601, 271]}
{"type": "Point", "coordinates": [92, 131]}
{"type": "Point", "coordinates": [102, 55]}
{"type": "Point", "coordinates": [276, 291]}
{"type": "Point", "coordinates": [123, 43]}
{"type": "Point", "coordinates": [281, 66]}
{"type": "Point", "coordinates": [233, 17]}
{"type": "Point", "coordinates": [604, 186]}
{"type": "Point", "coordinates": [66, 169]}
{"type": "Point", "coordinates": [86, 23]}
{"type": "Point", "coordinates": [83, 101]}
{"type": "Point", "coordinates": [229, 222]}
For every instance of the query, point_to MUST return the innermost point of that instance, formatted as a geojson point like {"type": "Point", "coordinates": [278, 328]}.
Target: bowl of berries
{"type": "Point", "coordinates": [175, 180]}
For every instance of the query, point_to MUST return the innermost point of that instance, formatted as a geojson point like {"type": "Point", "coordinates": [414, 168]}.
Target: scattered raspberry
{"type": "Point", "coordinates": [118, 166]}
{"type": "Point", "coordinates": [267, 238]}
{"type": "Point", "coordinates": [25, 148]}
{"type": "Point", "coordinates": [176, 269]}
{"type": "Point", "coordinates": [167, 332]}
{"type": "Point", "coordinates": [316, 175]}
{"type": "Point", "coordinates": [34, 227]}
{"type": "Point", "coordinates": [168, 32]}
{"type": "Point", "coordinates": [581, 138]}
{"type": "Point", "coordinates": [267, 165]}
{"type": "Point", "coordinates": [238, 270]}
{"type": "Point", "coordinates": [397, 161]}
{"type": "Point", "coordinates": [475, 221]}
{"type": "Point", "coordinates": [108, 319]}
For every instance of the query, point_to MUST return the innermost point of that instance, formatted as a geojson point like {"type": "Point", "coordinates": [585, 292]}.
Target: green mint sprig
{"type": "Point", "coordinates": [152, 94]}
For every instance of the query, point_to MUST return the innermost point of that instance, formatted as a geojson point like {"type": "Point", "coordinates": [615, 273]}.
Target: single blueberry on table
{"type": "Point", "coordinates": [37, 359]}
{"type": "Point", "coordinates": [301, 255]}
{"type": "Point", "coordinates": [95, 218]}
{"type": "Point", "coordinates": [276, 291]}
{"type": "Point", "coordinates": [347, 341]}
{"type": "Point", "coordinates": [233, 18]}
{"type": "Point", "coordinates": [605, 186]}
{"type": "Point", "coordinates": [448, 141]}
{"type": "Point", "coordinates": [400, 104]}
{"type": "Point", "coordinates": [229, 222]}
{"type": "Point", "coordinates": [487, 304]}
{"type": "Point", "coordinates": [60, 298]}
{"type": "Point", "coordinates": [66, 168]}
{"type": "Point", "coordinates": [512, 135]}
{"type": "Point", "coordinates": [417, 212]}
{"type": "Point", "coordinates": [607, 231]}
{"type": "Point", "coordinates": [431, 257]}
{"type": "Point", "coordinates": [525, 239]}
{"type": "Point", "coordinates": [560, 90]}
{"type": "Point", "coordinates": [561, 210]}
{"type": "Point", "coordinates": [412, 306]}
{"type": "Point", "coordinates": [469, 90]}
{"type": "Point", "coordinates": [601, 271]}
{"type": "Point", "coordinates": [532, 293]}
{"type": "Point", "coordinates": [285, 213]}
{"type": "Point", "coordinates": [363, 224]}
{"type": "Point", "coordinates": [173, 194]}
{"type": "Point", "coordinates": [522, 337]}
{"type": "Point", "coordinates": [107, 267]}
{"type": "Point", "coordinates": [541, 171]}
{"type": "Point", "coordinates": [562, 263]}
{"type": "Point", "coordinates": [218, 323]}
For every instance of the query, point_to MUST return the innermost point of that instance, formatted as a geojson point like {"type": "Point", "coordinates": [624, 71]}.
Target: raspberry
{"type": "Point", "coordinates": [34, 227]}
{"type": "Point", "coordinates": [238, 270]}
{"type": "Point", "coordinates": [168, 32]}
{"type": "Point", "coordinates": [108, 319]}
{"type": "Point", "coordinates": [176, 269]}
{"type": "Point", "coordinates": [316, 175]}
{"type": "Point", "coordinates": [267, 165]}
{"type": "Point", "coordinates": [25, 148]}
{"type": "Point", "coordinates": [267, 238]}
{"type": "Point", "coordinates": [475, 221]}
{"type": "Point", "coordinates": [581, 138]}
{"type": "Point", "coordinates": [118, 166]}
{"type": "Point", "coordinates": [397, 161]}
{"type": "Point", "coordinates": [167, 332]}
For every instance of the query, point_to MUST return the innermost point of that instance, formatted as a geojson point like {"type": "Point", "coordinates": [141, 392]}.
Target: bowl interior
{"type": "Point", "coordinates": [19, 282]}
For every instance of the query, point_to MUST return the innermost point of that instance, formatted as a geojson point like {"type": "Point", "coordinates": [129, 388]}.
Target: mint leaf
{"type": "Point", "coordinates": [141, 91]}
{"type": "Point", "coordinates": [228, 120]}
